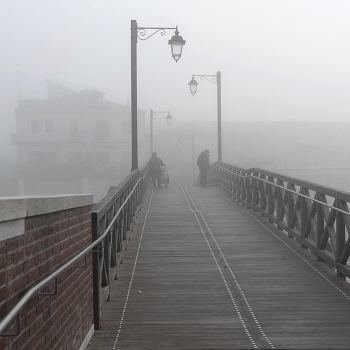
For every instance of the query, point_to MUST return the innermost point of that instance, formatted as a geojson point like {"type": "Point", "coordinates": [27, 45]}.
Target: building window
{"type": "Point", "coordinates": [126, 126]}
{"type": "Point", "coordinates": [35, 126]}
{"type": "Point", "coordinates": [49, 126]}
{"type": "Point", "coordinates": [34, 157]}
{"type": "Point", "coordinates": [42, 157]}
{"type": "Point", "coordinates": [102, 130]}
{"type": "Point", "coordinates": [102, 157]}
{"type": "Point", "coordinates": [74, 128]}
{"type": "Point", "coordinates": [75, 157]}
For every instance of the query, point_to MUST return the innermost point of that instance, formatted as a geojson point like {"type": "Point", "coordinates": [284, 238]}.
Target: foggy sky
{"type": "Point", "coordinates": [279, 59]}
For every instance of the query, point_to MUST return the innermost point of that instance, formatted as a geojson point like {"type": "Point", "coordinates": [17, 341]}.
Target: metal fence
{"type": "Point", "coordinates": [316, 216]}
{"type": "Point", "coordinates": [112, 218]}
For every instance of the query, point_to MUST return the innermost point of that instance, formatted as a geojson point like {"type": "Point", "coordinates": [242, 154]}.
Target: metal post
{"type": "Point", "coordinates": [218, 80]}
{"type": "Point", "coordinates": [320, 222]}
{"type": "Point", "coordinates": [96, 282]}
{"type": "Point", "coordinates": [134, 161]}
{"type": "Point", "coordinates": [151, 129]}
{"type": "Point", "coordinates": [340, 237]}
{"type": "Point", "coordinates": [193, 161]}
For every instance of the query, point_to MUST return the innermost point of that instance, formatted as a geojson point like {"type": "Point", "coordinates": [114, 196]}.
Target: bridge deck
{"type": "Point", "coordinates": [219, 279]}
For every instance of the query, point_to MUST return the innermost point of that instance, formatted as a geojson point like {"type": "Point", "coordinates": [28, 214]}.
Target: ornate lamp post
{"type": "Point", "coordinates": [213, 79]}
{"type": "Point", "coordinates": [152, 114]}
{"type": "Point", "coordinates": [176, 43]}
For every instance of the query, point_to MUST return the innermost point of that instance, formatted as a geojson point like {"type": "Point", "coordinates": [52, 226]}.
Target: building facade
{"type": "Point", "coordinates": [74, 142]}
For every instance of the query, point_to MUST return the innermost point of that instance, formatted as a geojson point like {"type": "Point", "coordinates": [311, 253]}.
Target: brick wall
{"type": "Point", "coordinates": [37, 236]}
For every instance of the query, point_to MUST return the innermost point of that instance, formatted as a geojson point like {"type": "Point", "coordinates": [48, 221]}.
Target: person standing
{"type": "Point", "coordinates": [203, 163]}
{"type": "Point", "coordinates": [155, 171]}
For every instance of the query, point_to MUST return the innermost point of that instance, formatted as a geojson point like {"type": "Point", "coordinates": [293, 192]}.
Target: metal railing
{"type": "Point", "coordinates": [111, 219]}
{"type": "Point", "coordinates": [316, 216]}
{"type": "Point", "coordinates": [124, 201]}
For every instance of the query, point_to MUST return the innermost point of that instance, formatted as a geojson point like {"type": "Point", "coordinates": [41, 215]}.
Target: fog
{"type": "Point", "coordinates": [279, 60]}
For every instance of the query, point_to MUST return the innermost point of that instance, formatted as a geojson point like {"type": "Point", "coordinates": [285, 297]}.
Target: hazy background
{"type": "Point", "coordinates": [280, 59]}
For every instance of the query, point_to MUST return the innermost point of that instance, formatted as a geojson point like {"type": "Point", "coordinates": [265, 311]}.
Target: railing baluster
{"type": "Point", "coordinates": [340, 234]}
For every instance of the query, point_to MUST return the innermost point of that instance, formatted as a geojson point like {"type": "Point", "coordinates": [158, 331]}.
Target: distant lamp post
{"type": "Point", "coordinates": [213, 79]}
{"type": "Point", "coordinates": [152, 114]}
{"type": "Point", "coordinates": [176, 43]}
{"type": "Point", "coordinates": [179, 144]}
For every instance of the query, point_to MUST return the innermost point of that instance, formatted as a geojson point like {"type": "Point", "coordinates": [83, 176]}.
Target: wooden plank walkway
{"type": "Point", "coordinates": [219, 279]}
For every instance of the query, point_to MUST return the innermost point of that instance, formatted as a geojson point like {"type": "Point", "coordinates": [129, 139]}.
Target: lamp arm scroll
{"type": "Point", "coordinates": [210, 78]}
{"type": "Point", "coordinates": [142, 32]}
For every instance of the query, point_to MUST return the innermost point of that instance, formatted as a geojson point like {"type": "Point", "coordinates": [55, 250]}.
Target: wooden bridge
{"type": "Point", "coordinates": [257, 260]}
{"type": "Point", "coordinates": [203, 272]}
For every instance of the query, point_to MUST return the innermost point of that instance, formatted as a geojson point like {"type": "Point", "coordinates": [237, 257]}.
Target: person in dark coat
{"type": "Point", "coordinates": [155, 171]}
{"type": "Point", "coordinates": [203, 163]}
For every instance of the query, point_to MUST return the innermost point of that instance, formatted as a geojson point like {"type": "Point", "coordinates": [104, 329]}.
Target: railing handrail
{"type": "Point", "coordinates": [35, 289]}
{"type": "Point", "coordinates": [287, 189]}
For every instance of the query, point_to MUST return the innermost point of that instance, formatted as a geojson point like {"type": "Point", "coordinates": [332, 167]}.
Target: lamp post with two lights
{"type": "Point", "coordinates": [213, 79]}
{"type": "Point", "coordinates": [176, 43]}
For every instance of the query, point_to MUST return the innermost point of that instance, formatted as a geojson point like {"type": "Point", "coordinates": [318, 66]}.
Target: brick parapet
{"type": "Point", "coordinates": [54, 230]}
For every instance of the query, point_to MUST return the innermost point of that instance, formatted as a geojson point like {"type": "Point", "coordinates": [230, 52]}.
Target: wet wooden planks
{"type": "Point", "coordinates": [232, 284]}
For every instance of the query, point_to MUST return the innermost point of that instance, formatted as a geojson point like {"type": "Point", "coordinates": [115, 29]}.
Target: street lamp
{"type": "Point", "coordinates": [213, 79]}
{"type": "Point", "coordinates": [169, 119]}
{"type": "Point", "coordinates": [152, 114]}
{"type": "Point", "coordinates": [176, 43]}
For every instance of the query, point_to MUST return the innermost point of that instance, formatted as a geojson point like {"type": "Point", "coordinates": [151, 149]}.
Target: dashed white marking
{"type": "Point", "coordinates": [132, 277]}
{"type": "Point", "coordinates": [218, 266]}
